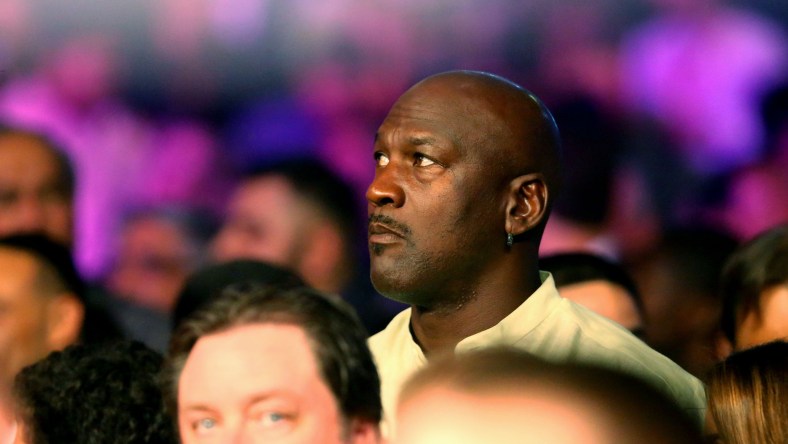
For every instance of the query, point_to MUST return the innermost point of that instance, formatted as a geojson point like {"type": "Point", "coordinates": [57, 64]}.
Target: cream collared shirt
{"type": "Point", "coordinates": [552, 328]}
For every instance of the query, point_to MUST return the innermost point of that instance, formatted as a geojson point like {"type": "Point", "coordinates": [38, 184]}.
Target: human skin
{"type": "Point", "coordinates": [767, 321]}
{"type": "Point", "coordinates": [31, 197]}
{"type": "Point", "coordinates": [25, 315]}
{"type": "Point", "coordinates": [608, 299]}
{"type": "Point", "coordinates": [256, 383]}
{"type": "Point", "coordinates": [459, 164]}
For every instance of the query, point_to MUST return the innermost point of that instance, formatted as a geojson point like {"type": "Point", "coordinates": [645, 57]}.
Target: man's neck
{"type": "Point", "coordinates": [441, 329]}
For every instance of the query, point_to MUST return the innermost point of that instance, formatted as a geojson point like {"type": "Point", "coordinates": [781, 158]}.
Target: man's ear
{"type": "Point", "coordinates": [65, 316]}
{"type": "Point", "coordinates": [527, 204]}
{"type": "Point", "coordinates": [362, 431]}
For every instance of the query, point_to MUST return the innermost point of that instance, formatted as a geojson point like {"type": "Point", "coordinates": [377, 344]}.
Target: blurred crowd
{"type": "Point", "coordinates": [157, 142]}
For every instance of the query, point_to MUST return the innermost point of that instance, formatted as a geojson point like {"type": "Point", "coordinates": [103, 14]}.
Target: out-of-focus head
{"type": "Point", "coordinates": [158, 249]}
{"type": "Point", "coordinates": [279, 365]}
{"type": "Point", "coordinates": [296, 214]}
{"type": "Point", "coordinates": [462, 159]}
{"type": "Point", "coordinates": [748, 395]}
{"type": "Point", "coordinates": [41, 306]}
{"type": "Point", "coordinates": [599, 284]}
{"type": "Point", "coordinates": [755, 290]}
{"type": "Point", "coordinates": [106, 393]}
{"type": "Point", "coordinates": [207, 284]}
{"type": "Point", "coordinates": [679, 284]}
{"type": "Point", "coordinates": [507, 396]}
{"type": "Point", "coordinates": [36, 186]}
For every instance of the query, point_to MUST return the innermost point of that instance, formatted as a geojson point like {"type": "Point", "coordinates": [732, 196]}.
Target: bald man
{"type": "Point", "coordinates": [467, 168]}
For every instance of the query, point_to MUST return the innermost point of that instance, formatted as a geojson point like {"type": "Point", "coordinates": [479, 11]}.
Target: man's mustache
{"type": "Point", "coordinates": [389, 223]}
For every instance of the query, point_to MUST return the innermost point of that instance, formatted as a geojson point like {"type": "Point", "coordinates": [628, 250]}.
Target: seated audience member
{"type": "Point", "coordinates": [506, 396]}
{"type": "Point", "coordinates": [679, 284]}
{"type": "Point", "coordinates": [36, 186]}
{"type": "Point", "coordinates": [207, 284]}
{"type": "Point", "coordinates": [755, 290]}
{"type": "Point", "coordinates": [467, 165]}
{"type": "Point", "coordinates": [41, 305]}
{"type": "Point", "coordinates": [300, 215]}
{"type": "Point", "coordinates": [37, 196]}
{"type": "Point", "coordinates": [107, 393]}
{"type": "Point", "coordinates": [599, 284]}
{"type": "Point", "coordinates": [748, 396]}
{"type": "Point", "coordinates": [158, 248]}
{"type": "Point", "coordinates": [273, 365]}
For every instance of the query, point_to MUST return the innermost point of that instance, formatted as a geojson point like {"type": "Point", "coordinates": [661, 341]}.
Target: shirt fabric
{"type": "Point", "coordinates": [552, 328]}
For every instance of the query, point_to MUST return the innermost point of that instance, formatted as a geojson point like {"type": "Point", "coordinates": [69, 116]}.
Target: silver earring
{"type": "Point", "coordinates": [509, 240]}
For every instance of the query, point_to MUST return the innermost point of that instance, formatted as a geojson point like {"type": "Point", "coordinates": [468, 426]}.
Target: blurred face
{"type": "Point", "coordinates": [514, 418]}
{"type": "Point", "coordinates": [265, 221]}
{"type": "Point", "coordinates": [31, 197]}
{"type": "Point", "coordinates": [23, 314]}
{"type": "Point", "coordinates": [154, 260]}
{"type": "Point", "coordinates": [256, 383]}
{"type": "Point", "coordinates": [610, 300]}
{"type": "Point", "coordinates": [436, 212]}
{"type": "Point", "coordinates": [767, 322]}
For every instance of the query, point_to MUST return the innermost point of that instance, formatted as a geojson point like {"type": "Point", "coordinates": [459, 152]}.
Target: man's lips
{"type": "Point", "coordinates": [379, 231]}
{"type": "Point", "coordinates": [385, 230]}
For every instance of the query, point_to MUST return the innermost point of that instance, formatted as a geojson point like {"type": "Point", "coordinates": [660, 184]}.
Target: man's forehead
{"type": "Point", "coordinates": [428, 116]}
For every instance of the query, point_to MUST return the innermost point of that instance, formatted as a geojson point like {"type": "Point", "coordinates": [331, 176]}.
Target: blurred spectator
{"type": "Point", "coordinates": [41, 301]}
{"type": "Point", "coordinates": [36, 186]}
{"type": "Point", "coordinates": [679, 285]}
{"type": "Point", "coordinates": [600, 284]}
{"type": "Point", "coordinates": [755, 290]}
{"type": "Point", "coordinates": [300, 215]}
{"type": "Point", "coordinates": [121, 159]}
{"type": "Point", "coordinates": [507, 396]}
{"type": "Point", "coordinates": [71, 96]}
{"type": "Point", "coordinates": [748, 396]}
{"type": "Point", "coordinates": [206, 284]}
{"type": "Point", "coordinates": [158, 248]}
{"type": "Point", "coordinates": [105, 393]}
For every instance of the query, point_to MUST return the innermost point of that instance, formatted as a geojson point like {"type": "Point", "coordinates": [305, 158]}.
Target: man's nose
{"type": "Point", "coordinates": [385, 188]}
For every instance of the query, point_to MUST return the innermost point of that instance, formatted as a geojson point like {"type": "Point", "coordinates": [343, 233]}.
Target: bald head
{"type": "Point", "coordinates": [501, 119]}
{"type": "Point", "coordinates": [465, 161]}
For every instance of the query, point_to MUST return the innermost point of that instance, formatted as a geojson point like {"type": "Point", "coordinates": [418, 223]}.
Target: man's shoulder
{"type": "Point", "coordinates": [577, 334]}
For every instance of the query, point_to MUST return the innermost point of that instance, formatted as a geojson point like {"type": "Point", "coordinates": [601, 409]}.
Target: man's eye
{"type": "Point", "coordinates": [273, 419]}
{"type": "Point", "coordinates": [204, 425]}
{"type": "Point", "coordinates": [381, 159]}
{"type": "Point", "coordinates": [421, 160]}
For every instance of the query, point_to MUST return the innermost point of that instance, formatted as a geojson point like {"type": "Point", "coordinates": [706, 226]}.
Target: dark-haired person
{"type": "Point", "coordinates": [207, 284]}
{"type": "Point", "coordinates": [301, 215]}
{"type": "Point", "coordinates": [755, 290]}
{"type": "Point", "coordinates": [99, 393]}
{"type": "Point", "coordinates": [467, 165]}
{"type": "Point", "coordinates": [41, 301]}
{"type": "Point", "coordinates": [599, 284]}
{"type": "Point", "coordinates": [273, 364]}
{"type": "Point", "coordinates": [36, 186]}
{"type": "Point", "coordinates": [37, 197]}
